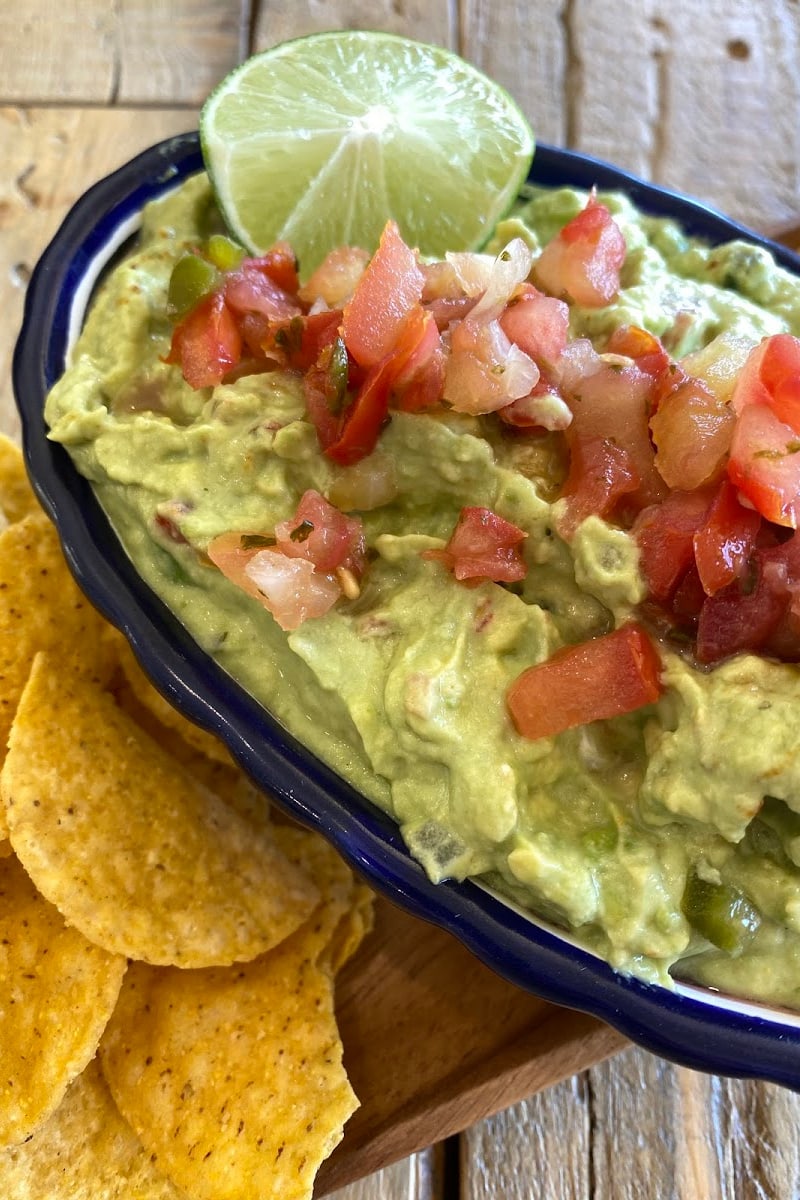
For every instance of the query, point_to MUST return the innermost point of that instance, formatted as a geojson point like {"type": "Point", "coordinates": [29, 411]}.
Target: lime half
{"type": "Point", "coordinates": [320, 140]}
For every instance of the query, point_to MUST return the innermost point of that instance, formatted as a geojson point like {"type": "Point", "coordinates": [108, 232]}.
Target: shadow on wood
{"type": "Point", "coordinates": [434, 1041]}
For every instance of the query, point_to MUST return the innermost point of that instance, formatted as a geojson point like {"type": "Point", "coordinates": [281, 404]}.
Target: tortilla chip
{"type": "Point", "coordinates": [41, 608]}
{"type": "Point", "coordinates": [222, 776]}
{"type": "Point", "coordinates": [233, 1078]}
{"type": "Point", "coordinates": [132, 850]}
{"type": "Point", "coordinates": [344, 915]}
{"type": "Point", "coordinates": [85, 1151]}
{"type": "Point", "coordinates": [57, 992]}
{"type": "Point", "coordinates": [151, 699]}
{"type": "Point", "coordinates": [16, 495]}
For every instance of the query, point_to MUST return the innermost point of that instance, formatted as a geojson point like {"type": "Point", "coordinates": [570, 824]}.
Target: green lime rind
{"type": "Point", "coordinates": [320, 140]}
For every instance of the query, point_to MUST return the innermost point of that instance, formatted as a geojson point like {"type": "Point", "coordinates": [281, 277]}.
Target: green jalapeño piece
{"type": "Point", "coordinates": [223, 252]}
{"type": "Point", "coordinates": [192, 278]}
{"type": "Point", "coordinates": [720, 913]}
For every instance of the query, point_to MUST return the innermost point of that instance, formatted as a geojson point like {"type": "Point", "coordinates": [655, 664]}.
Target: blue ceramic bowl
{"type": "Point", "coordinates": [690, 1025]}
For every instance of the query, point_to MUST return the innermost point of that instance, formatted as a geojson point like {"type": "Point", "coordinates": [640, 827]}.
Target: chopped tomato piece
{"type": "Point", "coordinates": [322, 534]}
{"type": "Point", "coordinates": [743, 616]}
{"type": "Point", "coordinates": [583, 261]}
{"type": "Point", "coordinates": [665, 536]}
{"type": "Point", "coordinates": [298, 342]}
{"type": "Point", "coordinates": [613, 403]}
{"type": "Point", "coordinates": [251, 289]}
{"type": "Point", "coordinates": [644, 347]}
{"type": "Point", "coordinates": [325, 390]}
{"type": "Point", "coordinates": [692, 430]}
{"type": "Point", "coordinates": [771, 376]}
{"type": "Point", "coordinates": [280, 265]}
{"type": "Point", "coordinates": [206, 343]}
{"type": "Point", "coordinates": [389, 288]}
{"type": "Point", "coordinates": [485, 371]}
{"type": "Point", "coordinates": [537, 324]}
{"type": "Point", "coordinates": [336, 278]}
{"type": "Point", "coordinates": [363, 420]}
{"type": "Point", "coordinates": [483, 545]}
{"type": "Point", "coordinates": [600, 473]}
{"type": "Point", "coordinates": [725, 542]}
{"type": "Point", "coordinates": [765, 464]}
{"type": "Point", "coordinates": [593, 681]}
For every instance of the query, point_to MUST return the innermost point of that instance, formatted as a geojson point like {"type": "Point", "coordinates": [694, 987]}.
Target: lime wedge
{"type": "Point", "coordinates": [320, 140]}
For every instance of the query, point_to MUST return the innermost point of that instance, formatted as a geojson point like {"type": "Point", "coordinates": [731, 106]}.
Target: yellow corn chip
{"type": "Point", "coordinates": [16, 495]}
{"type": "Point", "coordinates": [56, 993]}
{"type": "Point", "coordinates": [41, 608]}
{"type": "Point", "coordinates": [152, 700]}
{"type": "Point", "coordinates": [222, 776]}
{"type": "Point", "coordinates": [344, 916]}
{"type": "Point", "coordinates": [132, 850]}
{"type": "Point", "coordinates": [85, 1151]}
{"type": "Point", "coordinates": [233, 1078]}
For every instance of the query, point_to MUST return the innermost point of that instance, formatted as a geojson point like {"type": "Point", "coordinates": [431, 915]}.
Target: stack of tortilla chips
{"type": "Point", "coordinates": [168, 953]}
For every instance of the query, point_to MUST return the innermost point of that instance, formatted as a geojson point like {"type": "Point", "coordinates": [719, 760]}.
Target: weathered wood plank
{"type": "Point", "coordinates": [635, 1127]}
{"type": "Point", "coordinates": [415, 1178]}
{"type": "Point", "coordinates": [704, 98]}
{"type": "Point", "coordinates": [525, 48]}
{"type": "Point", "coordinates": [161, 52]}
{"type": "Point", "coordinates": [51, 156]}
{"type": "Point", "coordinates": [540, 1148]}
{"type": "Point", "coordinates": [428, 20]}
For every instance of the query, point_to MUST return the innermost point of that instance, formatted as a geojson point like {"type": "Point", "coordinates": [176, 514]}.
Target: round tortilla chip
{"type": "Point", "coordinates": [345, 914]}
{"type": "Point", "coordinates": [151, 699]}
{"type": "Point", "coordinates": [57, 992]}
{"type": "Point", "coordinates": [129, 846]}
{"type": "Point", "coordinates": [85, 1151]}
{"type": "Point", "coordinates": [16, 494]}
{"type": "Point", "coordinates": [233, 1078]}
{"type": "Point", "coordinates": [41, 608]}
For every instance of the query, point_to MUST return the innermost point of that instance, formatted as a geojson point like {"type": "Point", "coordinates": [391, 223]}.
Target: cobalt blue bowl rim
{"type": "Point", "coordinates": [742, 1040]}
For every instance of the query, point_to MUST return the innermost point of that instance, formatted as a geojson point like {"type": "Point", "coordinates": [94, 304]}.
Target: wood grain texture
{"type": "Point", "coordinates": [50, 156]}
{"type": "Point", "coordinates": [429, 20]}
{"type": "Point", "coordinates": [434, 1040]}
{"type": "Point", "coordinates": [161, 52]}
{"type": "Point", "coordinates": [415, 1178]}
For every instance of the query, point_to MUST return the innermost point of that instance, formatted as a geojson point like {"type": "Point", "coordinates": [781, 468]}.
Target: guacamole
{"type": "Point", "coordinates": [633, 832]}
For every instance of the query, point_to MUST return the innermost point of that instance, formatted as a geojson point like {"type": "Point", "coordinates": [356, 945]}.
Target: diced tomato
{"type": "Point", "coordinates": [744, 615]}
{"type": "Point", "coordinates": [665, 536]}
{"type": "Point", "coordinates": [692, 431]}
{"type": "Point", "coordinates": [206, 343]}
{"type": "Point", "coordinates": [537, 324]}
{"type": "Point", "coordinates": [723, 545]}
{"type": "Point", "coordinates": [595, 680]}
{"type": "Point", "coordinates": [363, 420]}
{"type": "Point", "coordinates": [280, 265]}
{"type": "Point", "coordinates": [765, 464]}
{"type": "Point", "coordinates": [298, 342]}
{"type": "Point", "coordinates": [422, 389]}
{"type": "Point", "coordinates": [765, 454]}
{"type": "Point", "coordinates": [336, 278]}
{"type": "Point", "coordinates": [389, 288]}
{"type": "Point", "coordinates": [250, 289]}
{"type": "Point", "coordinates": [583, 261]}
{"type": "Point", "coordinates": [485, 371]}
{"type": "Point", "coordinates": [600, 473]}
{"type": "Point", "coordinates": [644, 347]}
{"type": "Point", "coordinates": [612, 403]}
{"type": "Point", "coordinates": [322, 534]}
{"type": "Point", "coordinates": [688, 599]}
{"type": "Point", "coordinates": [483, 545]}
{"type": "Point", "coordinates": [325, 390]}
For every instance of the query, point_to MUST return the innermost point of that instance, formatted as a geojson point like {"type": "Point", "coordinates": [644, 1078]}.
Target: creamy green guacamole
{"type": "Point", "coordinates": [403, 690]}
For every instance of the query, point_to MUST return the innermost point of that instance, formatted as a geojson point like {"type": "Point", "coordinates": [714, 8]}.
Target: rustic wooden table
{"type": "Point", "coordinates": [702, 97]}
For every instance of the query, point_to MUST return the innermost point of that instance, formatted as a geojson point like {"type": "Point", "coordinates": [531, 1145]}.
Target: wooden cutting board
{"type": "Point", "coordinates": [434, 1041]}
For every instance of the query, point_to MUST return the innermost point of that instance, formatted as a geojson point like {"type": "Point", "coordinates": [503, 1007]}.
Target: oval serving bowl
{"type": "Point", "coordinates": [693, 1026]}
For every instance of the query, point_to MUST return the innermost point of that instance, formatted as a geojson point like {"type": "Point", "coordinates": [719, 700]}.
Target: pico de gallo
{"type": "Point", "coordinates": [698, 459]}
